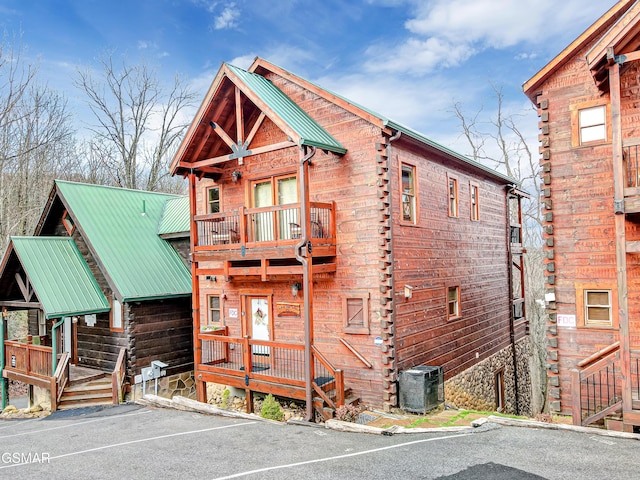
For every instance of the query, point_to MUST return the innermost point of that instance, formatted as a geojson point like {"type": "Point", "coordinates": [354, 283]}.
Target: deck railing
{"type": "Point", "coordinates": [631, 162]}
{"type": "Point", "coordinates": [275, 225]}
{"type": "Point", "coordinates": [118, 376]}
{"type": "Point", "coordinates": [275, 362]}
{"type": "Point", "coordinates": [596, 386]}
{"type": "Point", "coordinates": [60, 379]}
{"type": "Point", "coordinates": [27, 358]}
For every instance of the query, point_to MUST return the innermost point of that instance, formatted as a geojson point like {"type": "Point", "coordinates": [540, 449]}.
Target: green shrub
{"type": "Point", "coordinates": [225, 398]}
{"type": "Point", "coordinates": [271, 409]}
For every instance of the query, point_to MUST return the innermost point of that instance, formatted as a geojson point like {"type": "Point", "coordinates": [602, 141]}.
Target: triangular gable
{"type": "Point", "coordinates": [233, 110]}
{"type": "Point", "coordinates": [531, 87]}
{"type": "Point", "coordinates": [60, 277]}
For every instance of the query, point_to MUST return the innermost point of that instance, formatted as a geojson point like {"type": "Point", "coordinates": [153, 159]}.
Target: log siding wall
{"type": "Point", "coordinates": [579, 230]}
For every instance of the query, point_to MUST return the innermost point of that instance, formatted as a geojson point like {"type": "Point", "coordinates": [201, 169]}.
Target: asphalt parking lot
{"type": "Point", "coordinates": [130, 441]}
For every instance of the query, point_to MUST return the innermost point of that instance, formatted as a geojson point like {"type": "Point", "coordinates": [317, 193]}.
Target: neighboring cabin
{"type": "Point", "coordinates": [587, 99]}
{"type": "Point", "coordinates": [109, 267]}
{"type": "Point", "coordinates": [334, 248]}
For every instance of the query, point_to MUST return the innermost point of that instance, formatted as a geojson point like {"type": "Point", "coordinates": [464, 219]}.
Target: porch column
{"type": "Point", "coordinates": [4, 383]}
{"type": "Point", "coordinates": [621, 245]}
{"type": "Point", "coordinates": [201, 386]}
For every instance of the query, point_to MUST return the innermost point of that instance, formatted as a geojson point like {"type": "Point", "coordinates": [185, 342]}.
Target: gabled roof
{"type": "Point", "coordinates": [383, 122]}
{"type": "Point", "coordinates": [263, 97]}
{"type": "Point", "coordinates": [532, 86]}
{"type": "Point", "coordinates": [59, 275]}
{"type": "Point", "coordinates": [120, 227]}
{"type": "Point", "coordinates": [175, 218]}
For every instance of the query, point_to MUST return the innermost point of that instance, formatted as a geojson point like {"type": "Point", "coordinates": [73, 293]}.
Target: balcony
{"type": "Point", "coordinates": [264, 233]}
{"type": "Point", "coordinates": [631, 168]}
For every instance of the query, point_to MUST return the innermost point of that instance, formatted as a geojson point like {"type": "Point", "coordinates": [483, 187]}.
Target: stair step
{"type": "Point", "coordinates": [352, 400]}
{"type": "Point", "coordinates": [84, 404]}
{"type": "Point", "coordinates": [82, 388]}
{"type": "Point", "coordinates": [96, 377]}
{"type": "Point", "coordinates": [88, 397]}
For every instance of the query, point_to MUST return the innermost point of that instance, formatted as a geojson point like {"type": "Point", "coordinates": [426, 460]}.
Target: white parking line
{"type": "Point", "coordinates": [131, 442]}
{"type": "Point", "coordinates": [337, 457]}
{"type": "Point", "coordinates": [74, 424]}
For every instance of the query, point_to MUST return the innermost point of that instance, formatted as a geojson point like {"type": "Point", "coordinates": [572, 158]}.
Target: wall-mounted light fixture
{"type": "Point", "coordinates": [235, 176]}
{"type": "Point", "coordinates": [295, 288]}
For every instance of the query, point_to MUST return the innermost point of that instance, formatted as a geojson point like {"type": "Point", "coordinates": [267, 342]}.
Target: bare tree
{"type": "Point", "coordinates": [36, 140]}
{"type": "Point", "coordinates": [138, 121]}
{"type": "Point", "coordinates": [497, 141]}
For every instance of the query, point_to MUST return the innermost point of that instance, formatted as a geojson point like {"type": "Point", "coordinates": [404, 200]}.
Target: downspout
{"type": "Point", "coordinates": [512, 329]}
{"type": "Point", "coordinates": [303, 255]}
{"type": "Point", "coordinates": [54, 346]}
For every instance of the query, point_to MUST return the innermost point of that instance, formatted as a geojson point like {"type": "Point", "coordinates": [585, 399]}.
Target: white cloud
{"type": "Point", "coordinates": [446, 33]}
{"type": "Point", "coordinates": [228, 18]}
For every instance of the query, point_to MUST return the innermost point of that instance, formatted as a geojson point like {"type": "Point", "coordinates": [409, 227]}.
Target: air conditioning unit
{"type": "Point", "coordinates": [421, 388]}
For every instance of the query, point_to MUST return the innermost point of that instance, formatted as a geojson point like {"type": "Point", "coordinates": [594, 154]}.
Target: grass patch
{"type": "Point", "coordinates": [435, 420]}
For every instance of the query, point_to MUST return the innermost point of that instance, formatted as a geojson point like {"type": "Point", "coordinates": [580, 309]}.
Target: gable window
{"type": "Point", "coordinates": [473, 194]}
{"type": "Point", "coordinates": [67, 221]}
{"type": "Point", "coordinates": [213, 200]}
{"type": "Point", "coordinates": [408, 193]}
{"type": "Point", "coordinates": [597, 308]}
{"type": "Point", "coordinates": [214, 317]}
{"type": "Point", "coordinates": [355, 310]}
{"type": "Point", "coordinates": [453, 196]}
{"type": "Point", "coordinates": [453, 302]}
{"type": "Point", "coordinates": [115, 318]}
{"type": "Point", "coordinates": [592, 124]}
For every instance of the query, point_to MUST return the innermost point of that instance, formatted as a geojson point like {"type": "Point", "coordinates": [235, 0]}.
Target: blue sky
{"type": "Point", "coordinates": [407, 59]}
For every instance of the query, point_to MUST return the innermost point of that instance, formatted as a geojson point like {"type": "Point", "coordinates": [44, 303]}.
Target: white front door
{"type": "Point", "coordinates": [260, 323]}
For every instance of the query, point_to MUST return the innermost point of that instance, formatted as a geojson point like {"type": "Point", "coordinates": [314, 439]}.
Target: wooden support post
{"type": "Point", "coordinates": [621, 244]}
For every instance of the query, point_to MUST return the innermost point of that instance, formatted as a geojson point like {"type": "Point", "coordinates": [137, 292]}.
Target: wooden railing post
{"type": "Point", "coordinates": [576, 397]}
{"type": "Point", "coordinates": [246, 359]}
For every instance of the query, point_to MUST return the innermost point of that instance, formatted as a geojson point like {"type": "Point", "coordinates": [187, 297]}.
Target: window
{"type": "Point", "coordinates": [589, 123]}
{"type": "Point", "coordinates": [213, 200]}
{"type": "Point", "coordinates": [355, 309]}
{"type": "Point", "coordinates": [473, 195]}
{"type": "Point", "coordinates": [453, 301]}
{"type": "Point", "coordinates": [115, 319]}
{"type": "Point", "coordinates": [214, 317]}
{"type": "Point", "coordinates": [268, 192]}
{"type": "Point", "coordinates": [408, 193]}
{"type": "Point", "coordinates": [67, 221]}
{"type": "Point", "coordinates": [42, 323]}
{"type": "Point", "coordinates": [595, 305]}
{"type": "Point", "coordinates": [592, 124]}
{"type": "Point", "coordinates": [453, 197]}
{"type": "Point", "coordinates": [597, 308]}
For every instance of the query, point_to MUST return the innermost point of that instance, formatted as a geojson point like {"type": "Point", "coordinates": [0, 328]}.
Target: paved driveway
{"type": "Point", "coordinates": [132, 442]}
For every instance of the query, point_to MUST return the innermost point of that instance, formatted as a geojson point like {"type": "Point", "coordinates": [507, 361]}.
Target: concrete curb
{"type": "Point", "coordinates": [513, 422]}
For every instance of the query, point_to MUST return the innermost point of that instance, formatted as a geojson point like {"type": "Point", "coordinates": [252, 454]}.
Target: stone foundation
{"type": "Point", "coordinates": [475, 388]}
{"type": "Point", "coordinates": [182, 384]}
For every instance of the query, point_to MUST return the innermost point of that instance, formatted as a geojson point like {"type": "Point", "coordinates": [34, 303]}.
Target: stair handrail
{"type": "Point", "coordinates": [596, 362]}
{"type": "Point", "coordinates": [338, 378]}
{"type": "Point", "coordinates": [60, 379]}
{"type": "Point", "coordinates": [118, 376]}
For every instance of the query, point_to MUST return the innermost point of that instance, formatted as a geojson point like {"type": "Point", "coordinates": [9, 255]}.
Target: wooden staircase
{"type": "Point", "coordinates": [325, 411]}
{"type": "Point", "coordinates": [88, 392]}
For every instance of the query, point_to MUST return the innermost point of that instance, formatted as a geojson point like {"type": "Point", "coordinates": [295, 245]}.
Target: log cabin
{"type": "Point", "coordinates": [334, 249]}
{"type": "Point", "coordinates": [587, 99]}
{"type": "Point", "coordinates": [107, 290]}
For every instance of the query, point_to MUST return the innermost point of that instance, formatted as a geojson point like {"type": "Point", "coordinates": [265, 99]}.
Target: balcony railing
{"type": "Point", "coordinates": [273, 362]}
{"type": "Point", "coordinates": [28, 359]}
{"type": "Point", "coordinates": [275, 226]}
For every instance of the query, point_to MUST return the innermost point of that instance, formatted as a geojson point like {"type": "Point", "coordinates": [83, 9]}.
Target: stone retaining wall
{"type": "Point", "coordinates": [475, 388]}
{"type": "Point", "coordinates": [182, 384]}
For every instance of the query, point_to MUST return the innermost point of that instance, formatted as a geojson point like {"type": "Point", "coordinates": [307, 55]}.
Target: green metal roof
{"type": "Point", "coordinates": [60, 276]}
{"type": "Point", "coordinates": [309, 131]}
{"type": "Point", "coordinates": [121, 226]}
{"type": "Point", "coordinates": [412, 133]}
{"type": "Point", "coordinates": [175, 216]}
